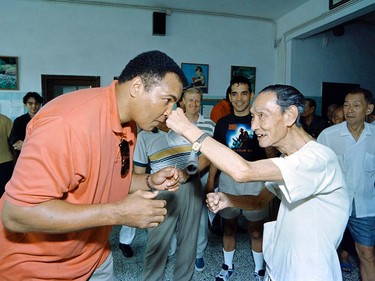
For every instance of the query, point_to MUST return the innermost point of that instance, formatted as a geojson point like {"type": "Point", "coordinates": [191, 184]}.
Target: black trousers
{"type": "Point", "coordinates": [6, 171]}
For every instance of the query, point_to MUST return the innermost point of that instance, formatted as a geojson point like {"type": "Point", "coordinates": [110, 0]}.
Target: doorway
{"type": "Point", "coordinates": [56, 85]}
{"type": "Point", "coordinates": [334, 93]}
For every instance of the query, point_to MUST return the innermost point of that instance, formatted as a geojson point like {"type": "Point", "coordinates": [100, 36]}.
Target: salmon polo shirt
{"type": "Point", "coordinates": [71, 153]}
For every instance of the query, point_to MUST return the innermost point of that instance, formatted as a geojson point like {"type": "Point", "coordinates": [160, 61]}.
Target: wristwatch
{"type": "Point", "coordinates": [198, 143]}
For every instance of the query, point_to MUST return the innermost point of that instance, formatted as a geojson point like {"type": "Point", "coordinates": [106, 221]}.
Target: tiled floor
{"type": "Point", "coordinates": [130, 269]}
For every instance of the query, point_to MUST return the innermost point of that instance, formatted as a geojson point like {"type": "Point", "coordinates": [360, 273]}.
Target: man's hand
{"type": "Point", "coordinates": [18, 145]}
{"type": "Point", "coordinates": [166, 179]}
{"type": "Point", "coordinates": [183, 176]}
{"type": "Point", "coordinates": [217, 201]}
{"type": "Point", "coordinates": [140, 209]}
{"type": "Point", "coordinates": [177, 121]}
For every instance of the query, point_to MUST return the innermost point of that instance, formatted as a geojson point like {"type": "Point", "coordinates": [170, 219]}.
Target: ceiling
{"type": "Point", "coordinates": [265, 9]}
{"type": "Point", "coordinates": [269, 10]}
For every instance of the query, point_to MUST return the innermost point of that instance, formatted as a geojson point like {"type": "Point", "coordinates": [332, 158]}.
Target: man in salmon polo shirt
{"type": "Point", "coordinates": [74, 174]}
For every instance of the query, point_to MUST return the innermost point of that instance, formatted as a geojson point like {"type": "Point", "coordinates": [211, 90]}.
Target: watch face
{"type": "Point", "coordinates": [196, 146]}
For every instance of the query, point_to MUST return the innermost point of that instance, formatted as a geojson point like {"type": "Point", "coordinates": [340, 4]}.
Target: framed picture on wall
{"type": "Point", "coordinates": [247, 71]}
{"type": "Point", "coordinates": [207, 105]}
{"type": "Point", "coordinates": [335, 3]}
{"type": "Point", "coordinates": [197, 75]}
{"type": "Point", "coordinates": [8, 73]}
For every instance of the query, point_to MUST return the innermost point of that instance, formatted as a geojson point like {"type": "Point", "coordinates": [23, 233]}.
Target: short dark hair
{"type": "Point", "coordinates": [311, 102]}
{"type": "Point", "coordinates": [151, 67]}
{"type": "Point", "coordinates": [34, 95]}
{"type": "Point", "coordinates": [227, 93]}
{"type": "Point", "coordinates": [367, 94]}
{"type": "Point", "coordinates": [286, 96]}
{"type": "Point", "coordinates": [240, 80]}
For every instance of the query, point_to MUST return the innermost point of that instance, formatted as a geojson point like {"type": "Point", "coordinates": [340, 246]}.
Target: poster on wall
{"type": "Point", "coordinates": [246, 71]}
{"type": "Point", "coordinates": [197, 75]}
{"type": "Point", "coordinates": [8, 73]}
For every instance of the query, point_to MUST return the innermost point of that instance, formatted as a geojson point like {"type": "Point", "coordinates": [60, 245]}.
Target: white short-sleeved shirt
{"type": "Point", "coordinates": [357, 161]}
{"type": "Point", "coordinates": [314, 209]}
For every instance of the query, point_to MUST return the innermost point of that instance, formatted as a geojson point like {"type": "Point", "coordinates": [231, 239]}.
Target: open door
{"type": "Point", "coordinates": [334, 93]}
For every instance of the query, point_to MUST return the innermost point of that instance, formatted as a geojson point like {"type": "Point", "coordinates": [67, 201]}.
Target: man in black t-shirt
{"type": "Point", "coordinates": [234, 131]}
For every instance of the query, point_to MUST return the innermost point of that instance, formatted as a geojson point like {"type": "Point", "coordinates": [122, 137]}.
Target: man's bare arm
{"type": "Point", "coordinates": [58, 216]}
{"type": "Point", "coordinates": [223, 157]}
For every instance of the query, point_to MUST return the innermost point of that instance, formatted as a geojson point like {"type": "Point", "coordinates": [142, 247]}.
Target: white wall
{"type": "Point", "coordinates": [306, 63]}
{"type": "Point", "coordinates": [317, 59]}
{"type": "Point", "coordinates": [76, 39]}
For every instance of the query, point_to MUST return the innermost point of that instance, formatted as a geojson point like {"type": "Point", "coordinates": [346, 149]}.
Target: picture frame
{"type": "Point", "coordinates": [247, 71]}
{"type": "Point", "coordinates": [9, 73]}
{"type": "Point", "coordinates": [207, 105]}
{"type": "Point", "coordinates": [197, 75]}
{"type": "Point", "coordinates": [335, 3]}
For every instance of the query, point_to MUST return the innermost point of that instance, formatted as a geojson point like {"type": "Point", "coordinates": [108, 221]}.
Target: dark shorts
{"type": "Point", "coordinates": [362, 230]}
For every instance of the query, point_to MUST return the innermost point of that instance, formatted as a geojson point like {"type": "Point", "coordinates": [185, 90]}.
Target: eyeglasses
{"type": "Point", "coordinates": [125, 157]}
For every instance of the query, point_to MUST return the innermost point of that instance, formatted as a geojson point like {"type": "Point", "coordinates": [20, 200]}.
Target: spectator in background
{"type": "Point", "coordinates": [312, 123]}
{"type": "Point", "coordinates": [126, 238]}
{"type": "Point", "coordinates": [192, 99]}
{"type": "Point", "coordinates": [371, 117]}
{"type": "Point", "coordinates": [127, 234]}
{"type": "Point", "coordinates": [191, 103]}
{"type": "Point", "coordinates": [219, 110]}
{"type": "Point", "coordinates": [234, 131]}
{"type": "Point", "coordinates": [346, 247]}
{"type": "Point", "coordinates": [338, 116]}
{"type": "Point", "coordinates": [222, 108]}
{"type": "Point", "coordinates": [353, 141]}
{"type": "Point", "coordinates": [184, 206]}
{"type": "Point", "coordinates": [6, 157]}
{"type": "Point", "coordinates": [330, 109]}
{"type": "Point", "coordinates": [32, 101]}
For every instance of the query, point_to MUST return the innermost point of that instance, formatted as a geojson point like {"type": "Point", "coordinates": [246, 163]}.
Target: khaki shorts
{"type": "Point", "coordinates": [230, 186]}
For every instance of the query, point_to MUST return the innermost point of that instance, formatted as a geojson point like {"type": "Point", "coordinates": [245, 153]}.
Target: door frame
{"type": "Point", "coordinates": [50, 81]}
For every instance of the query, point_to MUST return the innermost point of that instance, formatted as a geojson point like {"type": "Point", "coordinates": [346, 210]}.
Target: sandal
{"type": "Point", "coordinates": [346, 267]}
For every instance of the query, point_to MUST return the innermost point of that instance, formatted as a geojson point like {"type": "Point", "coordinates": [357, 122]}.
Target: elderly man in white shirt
{"type": "Point", "coordinates": [354, 143]}
{"type": "Point", "coordinates": [314, 209]}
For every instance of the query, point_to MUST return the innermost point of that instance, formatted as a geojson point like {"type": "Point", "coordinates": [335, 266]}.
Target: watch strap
{"type": "Point", "coordinates": [202, 137]}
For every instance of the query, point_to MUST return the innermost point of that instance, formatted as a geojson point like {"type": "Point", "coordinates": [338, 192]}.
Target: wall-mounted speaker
{"type": "Point", "coordinates": [158, 23]}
